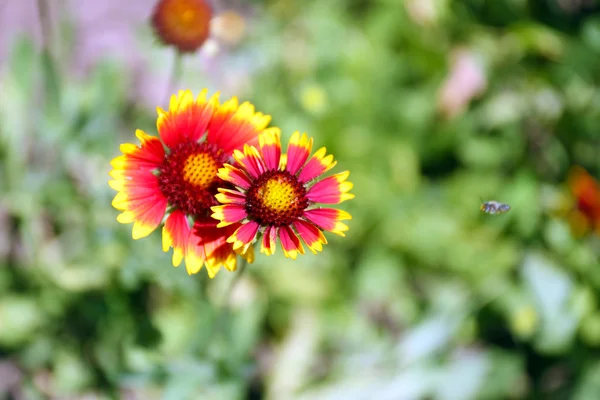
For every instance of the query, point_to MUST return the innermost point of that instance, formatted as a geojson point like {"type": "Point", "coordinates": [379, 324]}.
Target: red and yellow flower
{"type": "Point", "coordinates": [276, 196]}
{"type": "Point", "coordinates": [585, 189]}
{"type": "Point", "coordinates": [176, 176]}
{"type": "Point", "coordinates": [184, 24]}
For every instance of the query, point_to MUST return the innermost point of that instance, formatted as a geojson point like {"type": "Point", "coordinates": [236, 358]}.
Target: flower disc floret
{"type": "Point", "coordinates": [276, 198]}
{"type": "Point", "coordinates": [188, 177]}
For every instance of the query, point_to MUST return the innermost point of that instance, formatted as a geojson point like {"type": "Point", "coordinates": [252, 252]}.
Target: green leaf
{"type": "Point", "coordinates": [551, 289]}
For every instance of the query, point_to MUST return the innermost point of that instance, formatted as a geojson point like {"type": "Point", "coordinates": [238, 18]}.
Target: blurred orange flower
{"type": "Point", "coordinates": [184, 24]}
{"type": "Point", "coordinates": [586, 192]}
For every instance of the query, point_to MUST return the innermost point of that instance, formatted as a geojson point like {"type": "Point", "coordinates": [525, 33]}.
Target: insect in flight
{"type": "Point", "coordinates": [494, 207]}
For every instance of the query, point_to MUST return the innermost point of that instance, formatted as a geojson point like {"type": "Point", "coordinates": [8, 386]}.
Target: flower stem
{"type": "Point", "coordinates": [224, 311]}
{"type": "Point", "coordinates": [44, 18]}
{"type": "Point", "coordinates": [175, 75]}
{"type": "Point", "coordinates": [226, 301]}
{"type": "Point", "coordinates": [51, 95]}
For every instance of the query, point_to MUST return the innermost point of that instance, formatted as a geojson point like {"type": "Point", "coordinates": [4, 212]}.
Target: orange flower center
{"type": "Point", "coordinates": [182, 23]}
{"type": "Point", "coordinates": [188, 177]}
{"type": "Point", "coordinates": [277, 194]}
{"type": "Point", "coordinates": [200, 170]}
{"type": "Point", "coordinates": [276, 198]}
{"type": "Point", "coordinates": [188, 16]}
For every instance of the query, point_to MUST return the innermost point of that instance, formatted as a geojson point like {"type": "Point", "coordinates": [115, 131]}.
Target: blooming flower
{"type": "Point", "coordinates": [586, 192]}
{"type": "Point", "coordinates": [184, 24]}
{"type": "Point", "coordinates": [275, 195]}
{"type": "Point", "coordinates": [176, 176]}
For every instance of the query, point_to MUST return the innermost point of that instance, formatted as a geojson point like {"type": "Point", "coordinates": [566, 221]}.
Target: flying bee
{"type": "Point", "coordinates": [494, 207]}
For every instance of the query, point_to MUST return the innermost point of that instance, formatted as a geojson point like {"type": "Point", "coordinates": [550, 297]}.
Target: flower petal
{"type": "Point", "coordinates": [268, 241]}
{"type": "Point", "coordinates": [248, 254]}
{"type": "Point", "coordinates": [228, 196]}
{"type": "Point", "coordinates": [270, 147]}
{"type": "Point", "coordinates": [311, 235]}
{"type": "Point", "coordinates": [328, 219]}
{"type": "Point", "coordinates": [147, 157]}
{"type": "Point", "coordinates": [283, 162]}
{"type": "Point", "coordinates": [141, 202]}
{"type": "Point", "coordinates": [299, 149]}
{"type": "Point", "coordinates": [290, 243]}
{"type": "Point", "coordinates": [195, 256]}
{"type": "Point", "coordinates": [139, 179]}
{"type": "Point", "coordinates": [175, 234]}
{"type": "Point", "coordinates": [234, 175]}
{"type": "Point", "coordinates": [244, 236]}
{"type": "Point", "coordinates": [250, 160]}
{"type": "Point", "coordinates": [232, 126]}
{"type": "Point", "coordinates": [317, 165]}
{"type": "Point", "coordinates": [147, 217]}
{"type": "Point", "coordinates": [150, 154]}
{"type": "Point", "coordinates": [218, 252]}
{"type": "Point", "coordinates": [221, 257]}
{"type": "Point", "coordinates": [331, 190]}
{"type": "Point", "coordinates": [187, 119]}
{"type": "Point", "coordinates": [137, 185]}
{"type": "Point", "coordinates": [228, 214]}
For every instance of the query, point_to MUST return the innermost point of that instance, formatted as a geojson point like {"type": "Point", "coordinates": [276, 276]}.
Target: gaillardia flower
{"type": "Point", "coordinates": [184, 24]}
{"type": "Point", "coordinates": [275, 196]}
{"type": "Point", "coordinates": [586, 193]}
{"type": "Point", "coordinates": [176, 176]}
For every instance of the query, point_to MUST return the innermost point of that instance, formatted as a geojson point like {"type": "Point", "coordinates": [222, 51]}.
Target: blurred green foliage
{"type": "Point", "coordinates": [425, 298]}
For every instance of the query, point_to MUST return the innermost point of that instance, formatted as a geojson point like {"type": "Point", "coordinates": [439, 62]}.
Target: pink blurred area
{"type": "Point", "coordinates": [466, 80]}
{"type": "Point", "coordinates": [114, 30]}
{"type": "Point", "coordinates": [101, 28]}
{"type": "Point", "coordinates": [17, 18]}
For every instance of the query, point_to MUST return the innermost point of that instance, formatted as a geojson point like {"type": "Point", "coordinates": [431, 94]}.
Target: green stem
{"type": "Point", "coordinates": [175, 75]}
{"type": "Point", "coordinates": [225, 304]}
{"type": "Point", "coordinates": [44, 24]}
{"type": "Point", "coordinates": [51, 95]}
{"type": "Point", "coordinates": [234, 282]}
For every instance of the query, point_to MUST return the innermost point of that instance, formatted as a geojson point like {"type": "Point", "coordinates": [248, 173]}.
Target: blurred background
{"type": "Point", "coordinates": [433, 105]}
